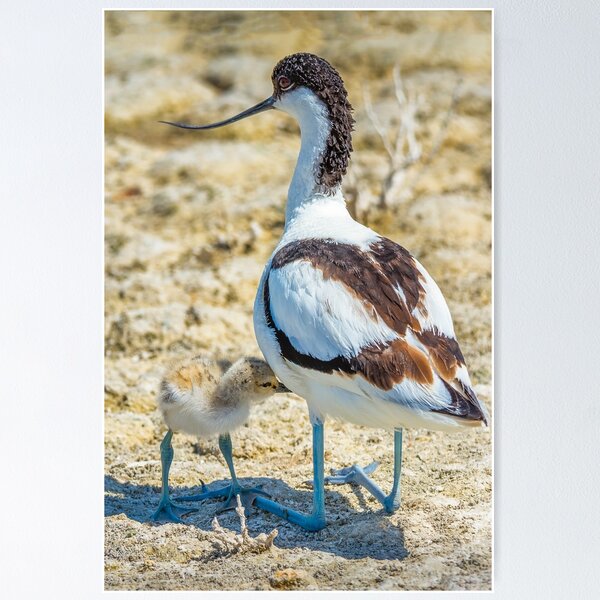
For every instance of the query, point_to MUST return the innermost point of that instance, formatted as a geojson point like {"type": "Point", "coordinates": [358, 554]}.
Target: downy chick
{"type": "Point", "coordinates": [195, 398]}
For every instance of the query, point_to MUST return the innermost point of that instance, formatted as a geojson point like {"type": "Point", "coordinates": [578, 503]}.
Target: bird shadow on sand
{"type": "Point", "coordinates": [350, 533]}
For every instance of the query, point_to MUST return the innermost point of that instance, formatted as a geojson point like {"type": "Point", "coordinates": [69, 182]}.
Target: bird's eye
{"type": "Point", "coordinates": [284, 83]}
{"type": "Point", "coordinates": [265, 385]}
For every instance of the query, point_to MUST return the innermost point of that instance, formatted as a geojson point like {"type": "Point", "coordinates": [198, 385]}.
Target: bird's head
{"type": "Point", "coordinates": [253, 379]}
{"type": "Point", "coordinates": [308, 88]}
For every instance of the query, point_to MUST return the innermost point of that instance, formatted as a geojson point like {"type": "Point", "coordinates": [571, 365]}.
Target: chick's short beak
{"type": "Point", "coordinates": [254, 110]}
{"type": "Point", "coordinates": [282, 389]}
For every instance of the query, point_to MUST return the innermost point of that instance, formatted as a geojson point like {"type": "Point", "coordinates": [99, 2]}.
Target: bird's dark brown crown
{"type": "Point", "coordinates": [318, 75]}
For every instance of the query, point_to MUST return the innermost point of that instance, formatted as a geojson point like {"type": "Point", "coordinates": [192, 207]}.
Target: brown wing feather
{"type": "Point", "coordinates": [374, 277]}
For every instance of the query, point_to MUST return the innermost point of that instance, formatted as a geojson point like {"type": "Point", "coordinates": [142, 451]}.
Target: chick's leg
{"type": "Point", "coordinates": [167, 511]}
{"type": "Point", "coordinates": [229, 492]}
{"type": "Point", "coordinates": [247, 495]}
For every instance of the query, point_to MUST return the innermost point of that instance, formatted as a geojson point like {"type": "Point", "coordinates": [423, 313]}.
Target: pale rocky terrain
{"type": "Point", "coordinates": [192, 217]}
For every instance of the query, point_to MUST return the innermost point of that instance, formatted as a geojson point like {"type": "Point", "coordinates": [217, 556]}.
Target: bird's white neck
{"type": "Point", "coordinates": [315, 127]}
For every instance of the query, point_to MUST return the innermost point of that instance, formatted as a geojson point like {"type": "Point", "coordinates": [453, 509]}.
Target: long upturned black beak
{"type": "Point", "coordinates": [260, 107]}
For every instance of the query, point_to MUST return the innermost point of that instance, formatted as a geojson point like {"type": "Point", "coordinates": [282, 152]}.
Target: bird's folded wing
{"type": "Point", "coordinates": [373, 313]}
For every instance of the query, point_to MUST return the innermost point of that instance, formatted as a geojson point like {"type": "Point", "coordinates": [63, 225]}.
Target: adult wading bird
{"type": "Point", "coordinates": [346, 318]}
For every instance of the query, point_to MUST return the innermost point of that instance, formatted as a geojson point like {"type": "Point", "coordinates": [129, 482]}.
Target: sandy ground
{"type": "Point", "coordinates": [190, 222]}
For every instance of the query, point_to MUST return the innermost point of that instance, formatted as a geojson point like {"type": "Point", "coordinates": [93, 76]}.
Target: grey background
{"type": "Point", "coordinates": [547, 177]}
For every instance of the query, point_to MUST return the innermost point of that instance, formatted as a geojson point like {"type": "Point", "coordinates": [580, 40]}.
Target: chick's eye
{"type": "Point", "coordinates": [265, 385]}
{"type": "Point", "coordinates": [284, 83]}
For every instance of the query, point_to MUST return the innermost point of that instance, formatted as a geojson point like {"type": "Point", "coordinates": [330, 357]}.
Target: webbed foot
{"type": "Point", "coordinates": [167, 511]}
{"type": "Point", "coordinates": [229, 492]}
{"type": "Point", "coordinates": [203, 495]}
{"type": "Point", "coordinates": [353, 474]}
{"type": "Point", "coordinates": [310, 522]}
{"type": "Point", "coordinates": [247, 497]}
{"type": "Point", "coordinates": [360, 476]}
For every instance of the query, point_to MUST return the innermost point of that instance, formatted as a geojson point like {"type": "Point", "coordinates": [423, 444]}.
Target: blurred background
{"type": "Point", "coordinates": [191, 218]}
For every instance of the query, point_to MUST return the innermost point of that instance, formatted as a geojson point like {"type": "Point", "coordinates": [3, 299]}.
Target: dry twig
{"type": "Point", "coordinates": [228, 542]}
{"type": "Point", "coordinates": [402, 146]}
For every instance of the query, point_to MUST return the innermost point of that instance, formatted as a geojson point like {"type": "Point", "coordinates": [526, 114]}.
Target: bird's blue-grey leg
{"type": "Point", "coordinates": [229, 492]}
{"type": "Point", "coordinates": [167, 511]}
{"type": "Point", "coordinates": [316, 519]}
{"type": "Point", "coordinates": [359, 475]}
{"type": "Point", "coordinates": [247, 495]}
{"type": "Point", "coordinates": [227, 450]}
